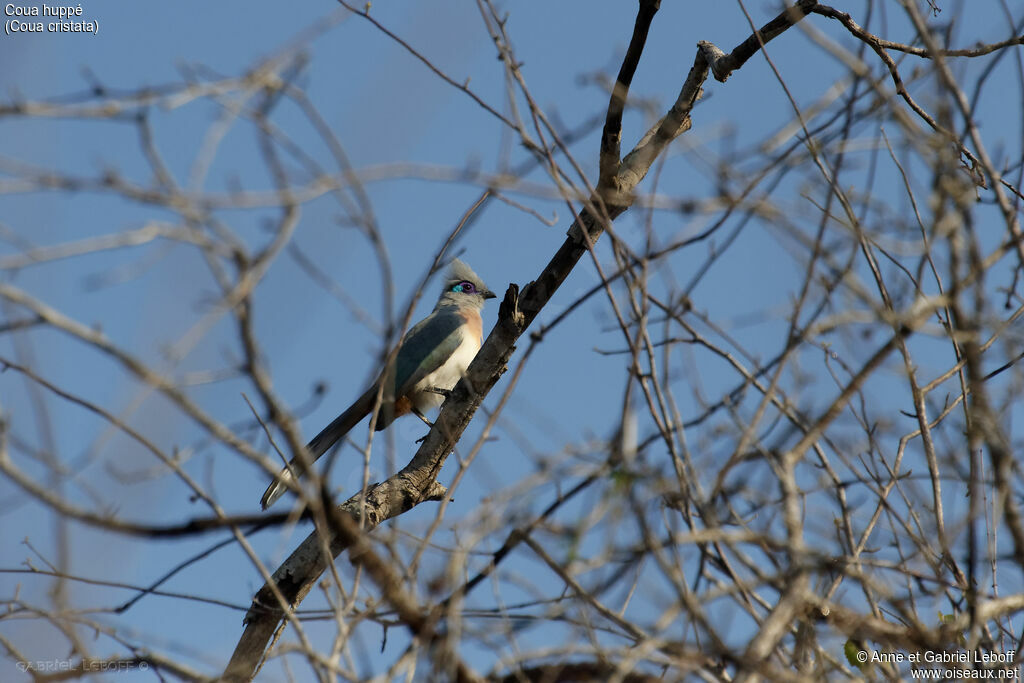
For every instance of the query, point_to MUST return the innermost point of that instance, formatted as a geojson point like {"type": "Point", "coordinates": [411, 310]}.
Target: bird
{"type": "Point", "coordinates": [432, 357]}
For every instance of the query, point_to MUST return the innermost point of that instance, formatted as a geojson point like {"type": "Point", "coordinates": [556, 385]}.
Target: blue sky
{"type": "Point", "coordinates": [386, 108]}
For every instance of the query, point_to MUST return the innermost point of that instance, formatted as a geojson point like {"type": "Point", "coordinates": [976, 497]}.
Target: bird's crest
{"type": "Point", "coordinates": [459, 271]}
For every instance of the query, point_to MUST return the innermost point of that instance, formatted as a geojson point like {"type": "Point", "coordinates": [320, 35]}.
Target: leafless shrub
{"type": "Point", "coordinates": [780, 495]}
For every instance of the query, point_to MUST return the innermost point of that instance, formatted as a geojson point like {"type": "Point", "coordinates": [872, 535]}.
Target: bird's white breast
{"type": "Point", "coordinates": [446, 376]}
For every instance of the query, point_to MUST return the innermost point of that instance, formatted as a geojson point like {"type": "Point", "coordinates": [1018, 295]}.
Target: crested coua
{"type": "Point", "coordinates": [432, 358]}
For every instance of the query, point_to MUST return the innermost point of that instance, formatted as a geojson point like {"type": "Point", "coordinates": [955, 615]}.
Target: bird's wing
{"type": "Point", "coordinates": [426, 347]}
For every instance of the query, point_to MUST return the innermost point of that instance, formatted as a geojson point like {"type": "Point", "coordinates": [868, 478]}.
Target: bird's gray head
{"type": "Point", "coordinates": [463, 287]}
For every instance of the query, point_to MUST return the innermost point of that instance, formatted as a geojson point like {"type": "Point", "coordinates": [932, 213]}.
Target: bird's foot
{"type": "Point", "coordinates": [447, 393]}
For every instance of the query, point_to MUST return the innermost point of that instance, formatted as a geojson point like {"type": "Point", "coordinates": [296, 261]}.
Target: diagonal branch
{"type": "Point", "coordinates": [611, 136]}
{"type": "Point", "coordinates": [417, 481]}
{"type": "Point", "coordinates": [722, 65]}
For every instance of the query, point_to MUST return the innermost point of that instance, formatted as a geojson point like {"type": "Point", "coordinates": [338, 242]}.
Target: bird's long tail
{"type": "Point", "coordinates": [320, 444]}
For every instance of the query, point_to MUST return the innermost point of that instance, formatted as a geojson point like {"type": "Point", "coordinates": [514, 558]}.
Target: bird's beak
{"type": "Point", "coordinates": [488, 294]}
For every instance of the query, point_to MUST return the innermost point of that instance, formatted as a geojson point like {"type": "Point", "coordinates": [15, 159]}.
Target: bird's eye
{"type": "Point", "coordinates": [464, 287]}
